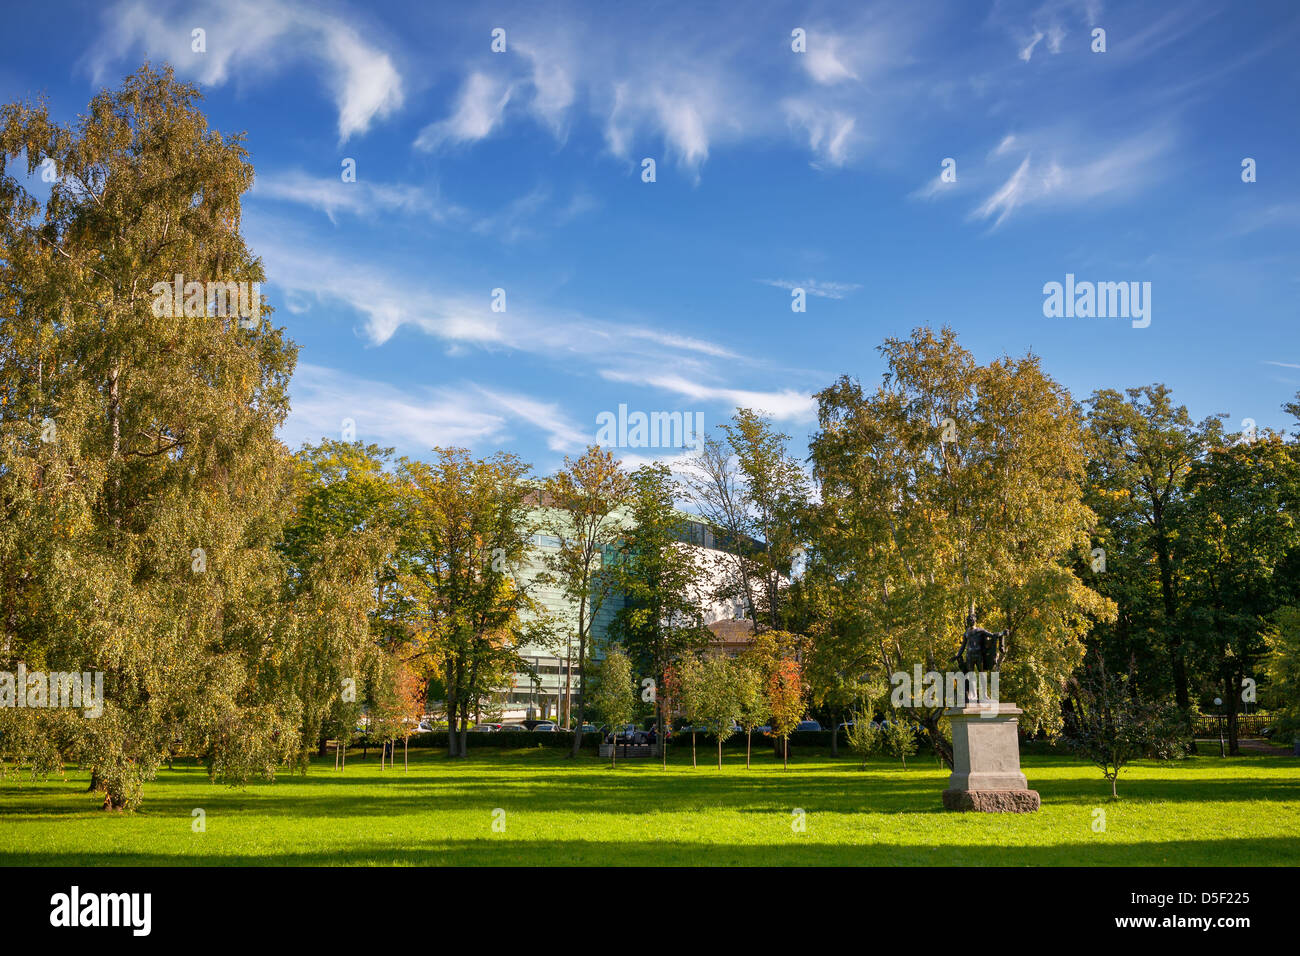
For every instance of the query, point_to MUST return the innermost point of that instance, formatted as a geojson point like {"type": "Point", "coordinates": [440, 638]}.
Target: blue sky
{"type": "Point", "coordinates": [522, 170]}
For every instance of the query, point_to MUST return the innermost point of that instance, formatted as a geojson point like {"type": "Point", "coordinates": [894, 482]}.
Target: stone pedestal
{"type": "Point", "coordinates": [986, 761]}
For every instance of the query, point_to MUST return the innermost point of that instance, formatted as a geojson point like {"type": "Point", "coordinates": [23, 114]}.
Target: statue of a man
{"type": "Point", "coordinates": [980, 650]}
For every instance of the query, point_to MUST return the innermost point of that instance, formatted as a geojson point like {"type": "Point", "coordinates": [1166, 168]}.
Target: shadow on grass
{"type": "Point", "coordinates": [553, 784]}
{"type": "Point", "coordinates": [1275, 851]}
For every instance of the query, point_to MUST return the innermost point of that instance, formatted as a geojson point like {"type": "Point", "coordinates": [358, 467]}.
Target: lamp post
{"type": "Point", "coordinates": [1218, 702]}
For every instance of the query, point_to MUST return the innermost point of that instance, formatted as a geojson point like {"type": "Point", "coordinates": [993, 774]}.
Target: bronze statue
{"type": "Point", "coordinates": [980, 650]}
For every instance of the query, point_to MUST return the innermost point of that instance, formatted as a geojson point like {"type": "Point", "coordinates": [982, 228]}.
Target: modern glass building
{"type": "Point", "coordinates": [557, 669]}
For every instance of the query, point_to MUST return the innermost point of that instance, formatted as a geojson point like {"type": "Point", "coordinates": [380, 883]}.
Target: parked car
{"type": "Point", "coordinates": [629, 734]}
{"type": "Point", "coordinates": [763, 729]}
{"type": "Point", "coordinates": [808, 725]}
{"type": "Point", "coordinates": [846, 727]}
{"type": "Point", "coordinates": [485, 728]}
{"type": "Point", "coordinates": [424, 727]}
{"type": "Point", "coordinates": [590, 729]}
{"type": "Point", "coordinates": [513, 727]}
{"type": "Point", "coordinates": [545, 728]}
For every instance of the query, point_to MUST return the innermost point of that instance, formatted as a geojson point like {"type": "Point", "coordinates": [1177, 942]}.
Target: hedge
{"type": "Point", "coordinates": [563, 739]}
{"type": "Point", "coordinates": [504, 740]}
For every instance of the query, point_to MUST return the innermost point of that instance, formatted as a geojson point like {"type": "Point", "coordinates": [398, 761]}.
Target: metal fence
{"type": "Point", "coordinates": [1248, 725]}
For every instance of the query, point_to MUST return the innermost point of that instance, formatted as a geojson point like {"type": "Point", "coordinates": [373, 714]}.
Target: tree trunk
{"type": "Point", "coordinates": [785, 753]}
{"type": "Point", "coordinates": [835, 735]}
{"type": "Point", "coordinates": [1178, 665]}
{"type": "Point", "coordinates": [406, 755]}
{"type": "Point", "coordinates": [1113, 792]}
{"type": "Point", "coordinates": [719, 753]}
{"type": "Point", "coordinates": [694, 765]}
{"type": "Point", "coordinates": [582, 693]}
{"type": "Point", "coordinates": [1230, 704]}
{"type": "Point", "coordinates": [748, 738]}
{"type": "Point", "coordinates": [320, 750]}
{"type": "Point", "coordinates": [663, 742]}
{"type": "Point", "coordinates": [115, 424]}
{"type": "Point", "coordinates": [941, 746]}
{"type": "Point", "coordinates": [568, 677]}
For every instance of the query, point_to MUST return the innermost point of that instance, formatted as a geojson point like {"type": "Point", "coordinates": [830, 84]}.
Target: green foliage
{"type": "Point", "coordinates": [1108, 724]}
{"type": "Point", "coordinates": [718, 706]}
{"type": "Point", "coordinates": [1141, 450]}
{"type": "Point", "coordinates": [750, 690]}
{"type": "Point", "coordinates": [163, 443]}
{"type": "Point", "coordinates": [953, 487]}
{"type": "Point", "coordinates": [1282, 667]}
{"type": "Point", "coordinates": [660, 620]}
{"type": "Point", "coordinates": [464, 529]}
{"type": "Point", "coordinates": [582, 502]}
{"type": "Point", "coordinates": [751, 492]}
{"type": "Point", "coordinates": [1238, 525]}
{"type": "Point", "coordinates": [152, 527]}
{"type": "Point", "coordinates": [898, 736]}
{"type": "Point", "coordinates": [865, 737]}
{"type": "Point", "coordinates": [337, 546]}
{"type": "Point", "coordinates": [614, 695]}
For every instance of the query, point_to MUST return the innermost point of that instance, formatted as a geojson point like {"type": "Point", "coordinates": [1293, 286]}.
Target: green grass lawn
{"type": "Point", "coordinates": [1201, 811]}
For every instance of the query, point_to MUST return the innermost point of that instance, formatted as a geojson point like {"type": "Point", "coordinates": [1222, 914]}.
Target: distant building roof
{"type": "Point", "coordinates": [733, 636]}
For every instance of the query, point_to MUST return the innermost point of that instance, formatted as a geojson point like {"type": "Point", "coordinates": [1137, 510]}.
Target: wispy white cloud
{"type": "Point", "coordinates": [1048, 21]}
{"type": "Point", "coordinates": [823, 290]}
{"type": "Point", "coordinates": [248, 38]}
{"type": "Point", "coordinates": [782, 404]}
{"type": "Point", "coordinates": [934, 188]}
{"type": "Point", "coordinates": [388, 300]}
{"type": "Point", "coordinates": [415, 418]}
{"type": "Point", "coordinates": [552, 82]}
{"type": "Point", "coordinates": [562, 434]}
{"type": "Point", "coordinates": [830, 131]}
{"type": "Point", "coordinates": [826, 60]}
{"type": "Point", "coordinates": [479, 109]}
{"type": "Point", "coordinates": [1284, 215]}
{"type": "Point", "coordinates": [361, 198]}
{"type": "Point", "coordinates": [678, 460]}
{"type": "Point", "coordinates": [684, 342]}
{"type": "Point", "coordinates": [515, 221]}
{"type": "Point", "coordinates": [1044, 177]}
{"type": "Point", "coordinates": [660, 87]}
{"type": "Point", "coordinates": [1027, 51]}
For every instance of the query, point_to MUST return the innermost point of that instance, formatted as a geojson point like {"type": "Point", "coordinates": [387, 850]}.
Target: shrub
{"type": "Point", "coordinates": [864, 737]}
{"type": "Point", "coordinates": [1108, 724]}
{"type": "Point", "coordinates": [899, 736]}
